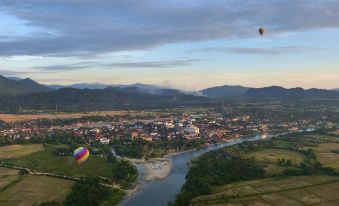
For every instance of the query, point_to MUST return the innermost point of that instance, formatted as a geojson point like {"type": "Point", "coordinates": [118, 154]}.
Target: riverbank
{"type": "Point", "coordinates": [157, 169]}
{"type": "Point", "coordinates": [154, 169]}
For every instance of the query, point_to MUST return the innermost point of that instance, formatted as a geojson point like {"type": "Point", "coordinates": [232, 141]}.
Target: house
{"type": "Point", "coordinates": [134, 135]}
{"type": "Point", "coordinates": [104, 141]}
{"type": "Point", "coordinates": [193, 131]}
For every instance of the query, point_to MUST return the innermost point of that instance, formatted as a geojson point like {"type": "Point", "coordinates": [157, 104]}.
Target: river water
{"type": "Point", "coordinates": [160, 192]}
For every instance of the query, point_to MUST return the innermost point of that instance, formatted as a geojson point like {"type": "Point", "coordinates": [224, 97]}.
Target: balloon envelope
{"type": "Point", "coordinates": [261, 31]}
{"type": "Point", "coordinates": [81, 154]}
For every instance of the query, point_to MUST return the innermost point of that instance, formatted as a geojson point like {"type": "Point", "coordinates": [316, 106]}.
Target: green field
{"type": "Point", "coordinates": [25, 190]}
{"type": "Point", "coordinates": [273, 155]}
{"type": "Point", "coordinates": [269, 158]}
{"type": "Point", "coordinates": [14, 151]}
{"type": "Point", "coordinates": [35, 190]}
{"type": "Point", "coordinates": [325, 150]}
{"type": "Point", "coordinates": [324, 138]}
{"type": "Point", "coordinates": [303, 190]}
{"type": "Point", "coordinates": [326, 155]}
{"type": "Point", "coordinates": [46, 161]}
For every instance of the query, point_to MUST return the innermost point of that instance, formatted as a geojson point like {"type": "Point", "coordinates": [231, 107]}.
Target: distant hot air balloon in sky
{"type": "Point", "coordinates": [81, 154]}
{"type": "Point", "coordinates": [261, 31]}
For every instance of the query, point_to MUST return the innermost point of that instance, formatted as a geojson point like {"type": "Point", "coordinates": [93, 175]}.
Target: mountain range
{"type": "Point", "coordinates": [225, 91]}
{"type": "Point", "coordinates": [70, 99]}
{"type": "Point", "coordinates": [12, 86]}
{"type": "Point", "coordinates": [103, 86]}
{"type": "Point", "coordinates": [275, 92]}
{"type": "Point", "coordinates": [16, 92]}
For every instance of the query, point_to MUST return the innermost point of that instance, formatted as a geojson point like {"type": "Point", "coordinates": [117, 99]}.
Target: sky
{"type": "Point", "coordinates": [185, 44]}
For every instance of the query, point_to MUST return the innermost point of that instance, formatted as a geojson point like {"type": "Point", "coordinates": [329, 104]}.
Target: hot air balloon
{"type": "Point", "coordinates": [81, 154]}
{"type": "Point", "coordinates": [261, 31]}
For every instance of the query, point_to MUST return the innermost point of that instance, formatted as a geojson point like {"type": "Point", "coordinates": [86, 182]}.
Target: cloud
{"type": "Point", "coordinates": [153, 64]}
{"type": "Point", "coordinates": [256, 50]}
{"type": "Point", "coordinates": [64, 67]}
{"type": "Point", "coordinates": [115, 65]}
{"type": "Point", "coordinates": [82, 27]}
{"type": "Point", "coordinates": [14, 73]}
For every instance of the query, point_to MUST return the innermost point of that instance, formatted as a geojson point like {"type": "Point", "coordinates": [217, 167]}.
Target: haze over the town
{"type": "Point", "coordinates": [183, 44]}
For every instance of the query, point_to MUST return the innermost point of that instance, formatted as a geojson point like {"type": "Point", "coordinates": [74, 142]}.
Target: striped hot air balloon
{"type": "Point", "coordinates": [81, 154]}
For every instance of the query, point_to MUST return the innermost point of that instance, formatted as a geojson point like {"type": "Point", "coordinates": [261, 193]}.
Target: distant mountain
{"type": "Point", "coordinates": [89, 86]}
{"type": "Point", "coordinates": [292, 94]}
{"type": "Point", "coordinates": [16, 92]}
{"type": "Point", "coordinates": [146, 88]}
{"type": "Point", "coordinates": [225, 91]}
{"type": "Point", "coordinates": [14, 78]}
{"type": "Point", "coordinates": [70, 99]}
{"type": "Point", "coordinates": [337, 89]}
{"type": "Point", "coordinates": [10, 87]}
{"type": "Point", "coordinates": [55, 86]}
{"type": "Point", "coordinates": [81, 86]}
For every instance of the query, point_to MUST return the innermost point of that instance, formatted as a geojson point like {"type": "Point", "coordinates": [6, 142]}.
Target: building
{"type": "Point", "coordinates": [193, 131]}
{"type": "Point", "coordinates": [134, 135]}
{"type": "Point", "coordinates": [104, 141]}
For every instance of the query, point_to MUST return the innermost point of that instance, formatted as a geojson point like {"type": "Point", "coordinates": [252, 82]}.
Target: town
{"type": "Point", "coordinates": [167, 132]}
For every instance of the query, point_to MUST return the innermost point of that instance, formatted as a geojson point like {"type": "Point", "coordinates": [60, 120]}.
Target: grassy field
{"type": "Point", "coordinates": [325, 138]}
{"type": "Point", "coordinates": [326, 156]}
{"type": "Point", "coordinates": [325, 150]}
{"type": "Point", "coordinates": [63, 115]}
{"type": "Point", "coordinates": [59, 115]}
{"type": "Point", "coordinates": [302, 190]}
{"type": "Point", "coordinates": [273, 155]}
{"type": "Point", "coordinates": [7, 176]}
{"type": "Point", "coordinates": [14, 151]}
{"type": "Point", "coordinates": [35, 190]}
{"type": "Point", "coordinates": [268, 158]}
{"type": "Point", "coordinates": [46, 161]}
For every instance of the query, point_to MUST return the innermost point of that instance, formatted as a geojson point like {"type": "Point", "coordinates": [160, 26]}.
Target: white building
{"type": "Point", "coordinates": [192, 130]}
{"type": "Point", "coordinates": [104, 141]}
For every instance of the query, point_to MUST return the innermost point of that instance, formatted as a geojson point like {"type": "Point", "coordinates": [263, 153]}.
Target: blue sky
{"type": "Point", "coordinates": [183, 44]}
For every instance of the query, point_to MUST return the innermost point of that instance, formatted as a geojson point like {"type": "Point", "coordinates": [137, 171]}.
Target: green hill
{"type": "Point", "coordinates": [11, 87]}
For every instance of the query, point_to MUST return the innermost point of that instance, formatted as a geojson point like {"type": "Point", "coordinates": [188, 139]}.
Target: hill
{"type": "Point", "coordinates": [69, 99]}
{"type": "Point", "coordinates": [81, 86]}
{"type": "Point", "coordinates": [276, 92]}
{"type": "Point", "coordinates": [225, 91]}
{"type": "Point", "coordinates": [10, 87]}
{"type": "Point", "coordinates": [145, 87]}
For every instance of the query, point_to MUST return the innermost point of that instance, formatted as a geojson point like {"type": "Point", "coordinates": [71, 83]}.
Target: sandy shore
{"type": "Point", "coordinates": [157, 169]}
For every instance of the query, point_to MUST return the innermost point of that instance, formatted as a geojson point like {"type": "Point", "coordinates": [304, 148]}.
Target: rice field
{"type": "Point", "coordinates": [303, 190]}
{"type": "Point", "coordinates": [34, 190]}
{"type": "Point", "coordinates": [7, 176]}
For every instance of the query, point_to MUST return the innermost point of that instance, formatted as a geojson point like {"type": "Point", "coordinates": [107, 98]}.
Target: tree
{"type": "Point", "coordinates": [88, 192]}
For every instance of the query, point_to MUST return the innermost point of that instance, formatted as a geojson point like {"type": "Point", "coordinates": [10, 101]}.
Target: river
{"type": "Point", "coordinates": [160, 192]}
